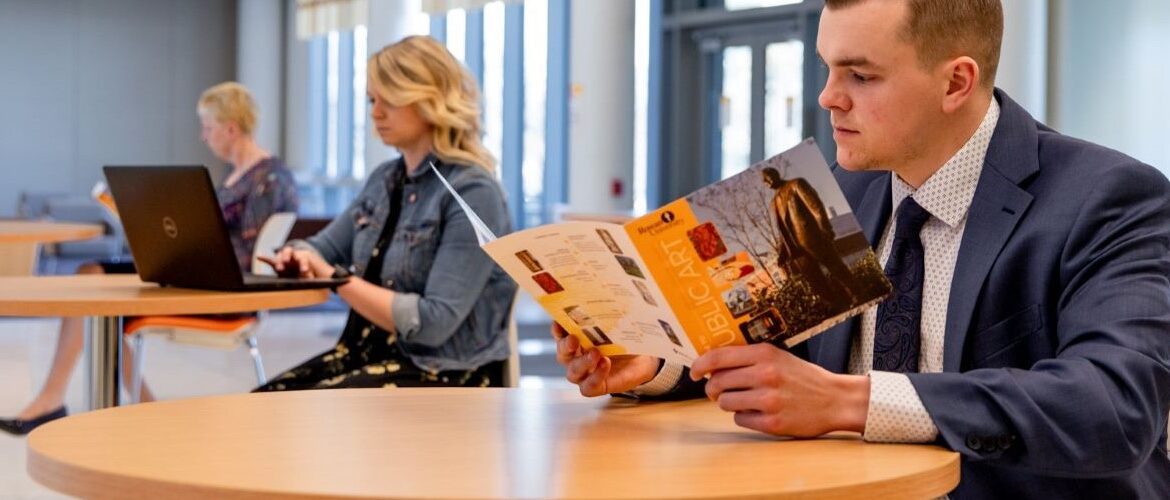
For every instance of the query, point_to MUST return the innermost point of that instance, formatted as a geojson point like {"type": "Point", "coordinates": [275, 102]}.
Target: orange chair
{"type": "Point", "coordinates": [221, 331]}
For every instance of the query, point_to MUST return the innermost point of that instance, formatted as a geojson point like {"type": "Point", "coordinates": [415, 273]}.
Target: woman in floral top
{"type": "Point", "coordinates": [257, 186]}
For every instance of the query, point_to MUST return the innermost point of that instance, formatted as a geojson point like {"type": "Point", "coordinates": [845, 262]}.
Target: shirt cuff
{"type": "Point", "coordinates": [404, 308]}
{"type": "Point", "coordinates": [662, 383]}
{"type": "Point", "coordinates": [302, 245]}
{"type": "Point", "coordinates": [896, 413]}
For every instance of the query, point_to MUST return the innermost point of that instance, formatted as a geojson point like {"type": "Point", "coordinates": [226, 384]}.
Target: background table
{"type": "Point", "coordinates": [460, 443]}
{"type": "Point", "coordinates": [19, 240]}
{"type": "Point", "coordinates": [107, 298]}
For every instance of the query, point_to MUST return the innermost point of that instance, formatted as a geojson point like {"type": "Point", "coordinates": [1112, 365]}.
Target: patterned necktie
{"type": "Point", "coordinates": [897, 336]}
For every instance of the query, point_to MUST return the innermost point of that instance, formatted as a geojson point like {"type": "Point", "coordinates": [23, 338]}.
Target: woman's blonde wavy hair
{"type": "Point", "coordinates": [418, 70]}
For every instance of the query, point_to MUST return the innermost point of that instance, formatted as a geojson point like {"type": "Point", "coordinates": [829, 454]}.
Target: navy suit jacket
{"type": "Point", "coordinates": [1056, 368]}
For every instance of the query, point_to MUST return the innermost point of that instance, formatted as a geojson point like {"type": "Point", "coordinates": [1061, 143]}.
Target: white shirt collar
{"type": "Point", "coordinates": [948, 193]}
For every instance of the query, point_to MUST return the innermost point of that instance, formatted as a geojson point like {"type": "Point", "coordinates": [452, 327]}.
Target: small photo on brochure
{"type": "Point", "coordinates": [706, 241]}
{"type": "Point", "coordinates": [630, 266]}
{"type": "Point", "coordinates": [762, 327]}
{"type": "Point", "coordinates": [645, 292]}
{"type": "Point", "coordinates": [670, 332]}
{"type": "Point", "coordinates": [529, 261]}
{"type": "Point", "coordinates": [578, 316]}
{"type": "Point", "coordinates": [609, 242]}
{"type": "Point", "coordinates": [548, 283]}
{"type": "Point", "coordinates": [596, 336]}
{"type": "Point", "coordinates": [739, 301]}
{"type": "Point", "coordinates": [730, 270]}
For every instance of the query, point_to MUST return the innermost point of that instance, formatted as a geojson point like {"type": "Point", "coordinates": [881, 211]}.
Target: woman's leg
{"type": "Point", "coordinates": [70, 340]}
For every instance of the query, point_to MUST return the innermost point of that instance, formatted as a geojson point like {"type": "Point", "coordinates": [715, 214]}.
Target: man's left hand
{"type": "Point", "coordinates": [773, 391]}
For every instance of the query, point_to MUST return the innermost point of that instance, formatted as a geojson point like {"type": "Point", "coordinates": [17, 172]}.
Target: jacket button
{"type": "Point", "coordinates": [974, 443]}
{"type": "Point", "coordinates": [1005, 442]}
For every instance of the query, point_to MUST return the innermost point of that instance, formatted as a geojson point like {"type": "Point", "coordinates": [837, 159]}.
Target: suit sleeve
{"type": "Point", "coordinates": [1098, 407]}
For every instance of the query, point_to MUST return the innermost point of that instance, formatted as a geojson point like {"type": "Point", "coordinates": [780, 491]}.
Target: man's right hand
{"type": "Point", "coordinates": [597, 375]}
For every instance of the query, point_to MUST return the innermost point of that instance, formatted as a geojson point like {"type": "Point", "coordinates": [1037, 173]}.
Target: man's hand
{"type": "Point", "coordinates": [597, 375]}
{"type": "Point", "coordinates": [291, 262]}
{"type": "Point", "coordinates": [773, 391]}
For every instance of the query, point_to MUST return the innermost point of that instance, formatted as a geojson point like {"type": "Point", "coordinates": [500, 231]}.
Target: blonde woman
{"type": "Point", "coordinates": [257, 186]}
{"type": "Point", "coordinates": [428, 307]}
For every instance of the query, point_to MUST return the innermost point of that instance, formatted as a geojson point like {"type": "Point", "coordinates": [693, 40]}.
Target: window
{"type": "Point", "coordinates": [337, 128]}
{"type": "Point", "coordinates": [505, 45]}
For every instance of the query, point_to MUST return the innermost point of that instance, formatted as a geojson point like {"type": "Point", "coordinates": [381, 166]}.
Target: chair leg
{"type": "Point", "coordinates": [136, 370]}
{"type": "Point", "coordinates": [254, 350]}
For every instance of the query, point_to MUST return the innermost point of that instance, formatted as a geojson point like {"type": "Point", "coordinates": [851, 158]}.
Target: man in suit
{"type": "Point", "coordinates": [1040, 346]}
{"type": "Point", "coordinates": [807, 240]}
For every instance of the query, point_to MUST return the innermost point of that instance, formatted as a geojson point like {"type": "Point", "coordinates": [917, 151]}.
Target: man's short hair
{"type": "Point", "coordinates": [942, 29]}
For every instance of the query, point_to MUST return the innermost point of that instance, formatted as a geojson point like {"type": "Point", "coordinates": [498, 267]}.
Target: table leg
{"type": "Point", "coordinates": [18, 259]}
{"type": "Point", "coordinates": [103, 348]}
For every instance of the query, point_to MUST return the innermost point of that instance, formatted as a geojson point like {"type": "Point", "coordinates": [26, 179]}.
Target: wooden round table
{"type": "Point", "coordinates": [461, 443]}
{"type": "Point", "coordinates": [107, 298]}
{"type": "Point", "coordinates": [19, 240]}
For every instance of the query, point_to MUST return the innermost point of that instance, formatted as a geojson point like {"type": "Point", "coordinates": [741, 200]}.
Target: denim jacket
{"type": "Point", "coordinates": [453, 302]}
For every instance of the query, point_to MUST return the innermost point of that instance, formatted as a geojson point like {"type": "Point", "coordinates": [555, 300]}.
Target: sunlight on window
{"type": "Point", "coordinates": [457, 33]}
{"type": "Point", "coordinates": [358, 171]}
{"type": "Point", "coordinates": [493, 79]}
{"type": "Point", "coordinates": [535, 86]}
{"type": "Point", "coordinates": [755, 4]}
{"type": "Point", "coordinates": [784, 97]}
{"type": "Point", "coordinates": [641, 87]}
{"type": "Point", "coordinates": [331, 99]}
{"type": "Point", "coordinates": [735, 109]}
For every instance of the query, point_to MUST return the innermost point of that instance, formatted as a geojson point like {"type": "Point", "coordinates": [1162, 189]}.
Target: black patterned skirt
{"type": "Point", "coordinates": [367, 356]}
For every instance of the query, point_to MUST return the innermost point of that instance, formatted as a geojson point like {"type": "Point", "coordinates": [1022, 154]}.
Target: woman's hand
{"type": "Point", "coordinates": [290, 262]}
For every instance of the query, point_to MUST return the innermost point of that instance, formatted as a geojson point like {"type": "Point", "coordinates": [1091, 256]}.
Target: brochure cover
{"type": "Point", "coordinates": [772, 254]}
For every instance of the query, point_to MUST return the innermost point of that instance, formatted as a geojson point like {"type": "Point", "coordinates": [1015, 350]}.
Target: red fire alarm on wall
{"type": "Point", "coordinates": [615, 188]}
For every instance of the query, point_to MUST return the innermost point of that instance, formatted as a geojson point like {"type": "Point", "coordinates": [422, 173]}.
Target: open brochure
{"type": "Point", "coordinates": [772, 254]}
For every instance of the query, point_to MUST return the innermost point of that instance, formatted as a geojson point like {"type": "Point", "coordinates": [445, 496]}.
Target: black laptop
{"type": "Point", "coordinates": [177, 234]}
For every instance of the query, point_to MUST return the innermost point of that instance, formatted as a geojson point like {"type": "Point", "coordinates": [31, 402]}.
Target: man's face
{"type": "Point", "coordinates": [884, 105]}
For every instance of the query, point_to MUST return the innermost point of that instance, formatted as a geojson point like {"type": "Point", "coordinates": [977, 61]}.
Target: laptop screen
{"type": "Point", "coordinates": [174, 226]}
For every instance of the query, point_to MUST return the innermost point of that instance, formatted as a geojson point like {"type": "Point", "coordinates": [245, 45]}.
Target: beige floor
{"type": "Point", "coordinates": [173, 371]}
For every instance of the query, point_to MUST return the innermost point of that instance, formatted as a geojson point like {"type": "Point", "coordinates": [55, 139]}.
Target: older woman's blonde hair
{"type": "Point", "coordinates": [229, 102]}
{"type": "Point", "coordinates": [418, 70]}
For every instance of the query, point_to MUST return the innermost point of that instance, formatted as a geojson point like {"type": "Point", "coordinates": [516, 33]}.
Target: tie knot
{"type": "Point", "coordinates": [911, 217]}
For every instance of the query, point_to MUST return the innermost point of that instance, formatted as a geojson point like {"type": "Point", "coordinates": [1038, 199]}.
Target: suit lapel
{"type": "Point", "coordinates": [832, 347]}
{"type": "Point", "coordinates": [997, 207]}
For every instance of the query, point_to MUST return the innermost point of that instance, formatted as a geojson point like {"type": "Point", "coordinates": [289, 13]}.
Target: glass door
{"type": "Point", "coordinates": [755, 94]}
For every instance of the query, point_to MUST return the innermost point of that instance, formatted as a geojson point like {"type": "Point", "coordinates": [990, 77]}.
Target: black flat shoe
{"type": "Point", "coordinates": [21, 427]}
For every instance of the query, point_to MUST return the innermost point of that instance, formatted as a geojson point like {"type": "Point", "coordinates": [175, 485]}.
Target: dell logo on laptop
{"type": "Point", "coordinates": [170, 228]}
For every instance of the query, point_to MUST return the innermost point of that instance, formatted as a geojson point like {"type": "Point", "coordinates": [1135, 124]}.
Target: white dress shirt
{"type": "Point", "coordinates": [896, 413]}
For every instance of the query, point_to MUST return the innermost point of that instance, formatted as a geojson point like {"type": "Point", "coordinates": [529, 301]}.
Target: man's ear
{"type": "Point", "coordinates": [963, 75]}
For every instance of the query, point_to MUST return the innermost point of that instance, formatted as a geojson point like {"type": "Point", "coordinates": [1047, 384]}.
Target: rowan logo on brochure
{"type": "Point", "coordinates": [665, 220]}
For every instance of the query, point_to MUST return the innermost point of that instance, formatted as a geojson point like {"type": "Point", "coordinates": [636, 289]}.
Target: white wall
{"type": "Point", "coordinates": [88, 83]}
{"type": "Point", "coordinates": [260, 66]}
{"type": "Point", "coordinates": [1022, 63]}
{"type": "Point", "coordinates": [1110, 75]}
{"type": "Point", "coordinates": [601, 106]}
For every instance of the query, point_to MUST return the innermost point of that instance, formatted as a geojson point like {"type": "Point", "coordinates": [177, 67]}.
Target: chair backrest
{"type": "Point", "coordinates": [512, 369]}
{"type": "Point", "coordinates": [272, 235]}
